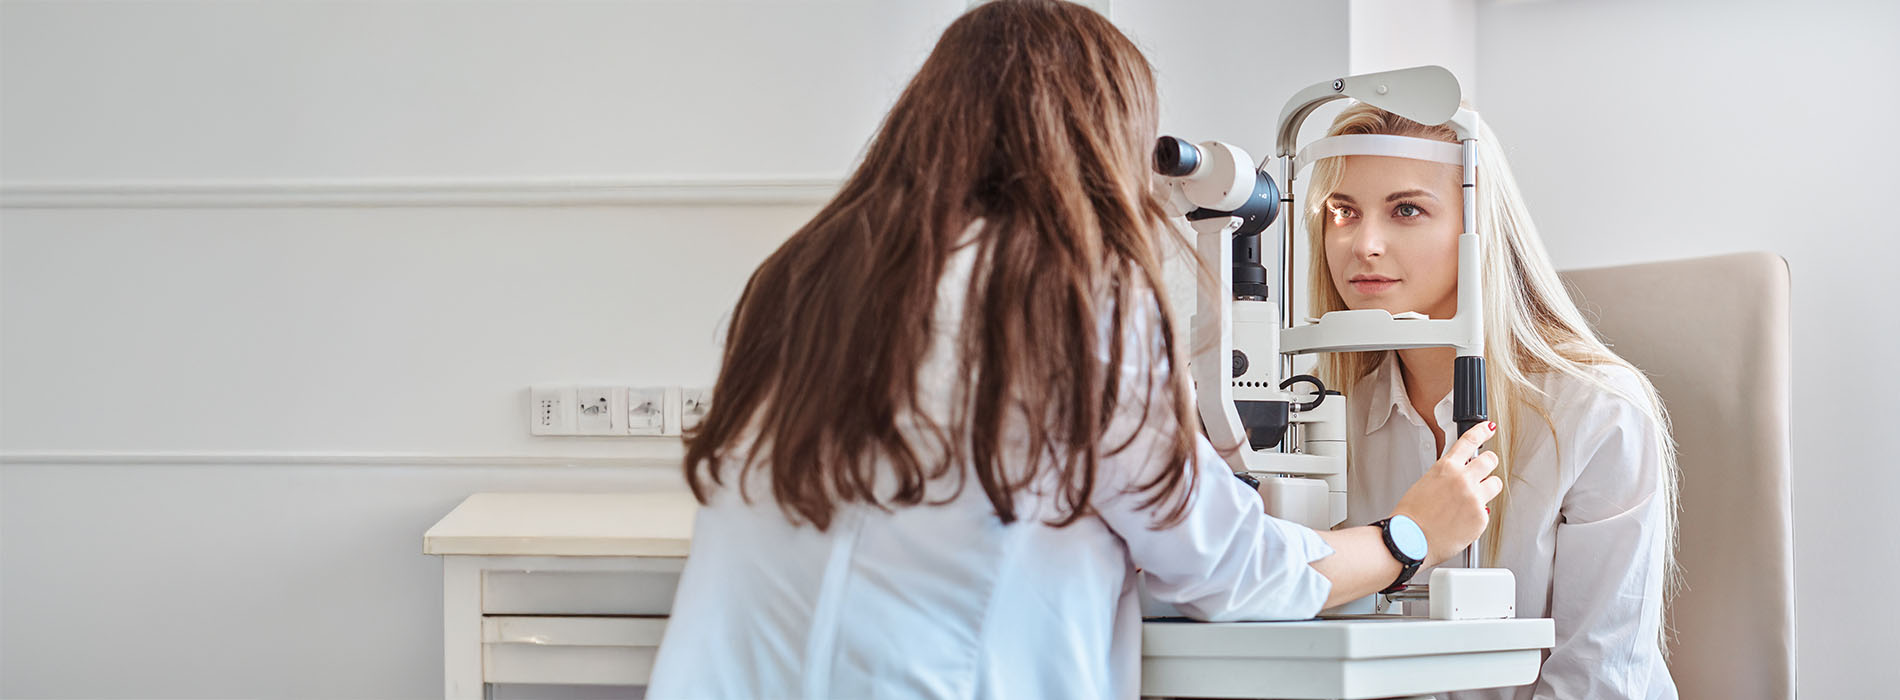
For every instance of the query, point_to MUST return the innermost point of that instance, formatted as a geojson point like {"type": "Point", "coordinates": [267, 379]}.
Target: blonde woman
{"type": "Point", "coordinates": [1587, 517]}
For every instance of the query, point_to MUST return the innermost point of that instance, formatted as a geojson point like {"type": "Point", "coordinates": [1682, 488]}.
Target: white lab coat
{"type": "Point", "coordinates": [947, 602]}
{"type": "Point", "coordinates": [1585, 531]}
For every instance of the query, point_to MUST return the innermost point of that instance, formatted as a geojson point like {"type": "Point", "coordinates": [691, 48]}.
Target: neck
{"type": "Point", "coordinates": [1427, 373]}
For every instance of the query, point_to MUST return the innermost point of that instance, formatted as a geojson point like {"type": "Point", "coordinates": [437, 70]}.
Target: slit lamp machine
{"type": "Point", "coordinates": [1243, 332]}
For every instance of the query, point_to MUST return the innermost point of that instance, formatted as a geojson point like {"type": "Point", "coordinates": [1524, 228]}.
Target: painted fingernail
{"type": "Point", "coordinates": [1494, 426]}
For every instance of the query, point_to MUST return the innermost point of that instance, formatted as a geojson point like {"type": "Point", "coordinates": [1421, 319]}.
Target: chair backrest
{"type": "Point", "coordinates": [1713, 334]}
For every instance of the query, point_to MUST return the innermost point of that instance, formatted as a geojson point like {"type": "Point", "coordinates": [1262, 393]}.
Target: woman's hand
{"type": "Point", "coordinates": [1448, 502]}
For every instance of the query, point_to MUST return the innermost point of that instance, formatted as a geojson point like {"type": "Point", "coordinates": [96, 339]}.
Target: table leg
{"type": "Point", "coordinates": [462, 629]}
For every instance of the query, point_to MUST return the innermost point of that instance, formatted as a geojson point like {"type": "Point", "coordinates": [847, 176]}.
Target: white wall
{"type": "Point", "coordinates": [1393, 34]}
{"type": "Point", "coordinates": [182, 89]}
{"type": "Point", "coordinates": [273, 277]}
{"type": "Point", "coordinates": [1655, 130]}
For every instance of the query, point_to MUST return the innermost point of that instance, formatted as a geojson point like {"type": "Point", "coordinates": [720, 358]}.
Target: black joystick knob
{"type": "Point", "coordinates": [1175, 157]}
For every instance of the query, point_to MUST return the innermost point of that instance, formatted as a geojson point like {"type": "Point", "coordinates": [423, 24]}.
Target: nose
{"type": "Point", "coordinates": [1368, 241]}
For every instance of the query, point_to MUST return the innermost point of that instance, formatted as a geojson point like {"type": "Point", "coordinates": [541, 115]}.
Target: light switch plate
{"type": "Point", "coordinates": [551, 410]}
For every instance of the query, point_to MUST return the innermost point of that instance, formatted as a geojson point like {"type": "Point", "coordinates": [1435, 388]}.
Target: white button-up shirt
{"type": "Point", "coordinates": [948, 602]}
{"type": "Point", "coordinates": [1584, 532]}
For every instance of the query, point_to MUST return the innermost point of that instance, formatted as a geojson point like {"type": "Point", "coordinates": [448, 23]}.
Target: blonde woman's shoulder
{"type": "Point", "coordinates": [1598, 402]}
{"type": "Point", "coordinates": [1596, 386]}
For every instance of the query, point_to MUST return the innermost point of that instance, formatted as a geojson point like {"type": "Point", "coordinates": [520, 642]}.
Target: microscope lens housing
{"type": "Point", "coordinates": [1176, 157]}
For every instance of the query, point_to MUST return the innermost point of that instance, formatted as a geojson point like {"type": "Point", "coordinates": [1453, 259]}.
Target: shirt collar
{"type": "Point", "coordinates": [1385, 390]}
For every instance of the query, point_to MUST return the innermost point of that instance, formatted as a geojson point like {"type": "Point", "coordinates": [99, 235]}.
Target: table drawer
{"type": "Point", "coordinates": [570, 650]}
{"type": "Point", "coordinates": [578, 592]}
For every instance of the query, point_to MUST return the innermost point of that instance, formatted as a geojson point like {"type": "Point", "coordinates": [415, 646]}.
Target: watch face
{"type": "Point", "coordinates": [1409, 538]}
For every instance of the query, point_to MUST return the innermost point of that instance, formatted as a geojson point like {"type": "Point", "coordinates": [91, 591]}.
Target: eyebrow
{"type": "Point", "coordinates": [1395, 196]}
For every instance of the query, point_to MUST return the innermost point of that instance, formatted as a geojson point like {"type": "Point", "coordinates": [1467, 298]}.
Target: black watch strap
{"type": "Point", "coordinates": [1407, 565]}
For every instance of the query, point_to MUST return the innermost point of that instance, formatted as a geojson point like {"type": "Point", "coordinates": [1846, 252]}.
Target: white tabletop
{"type": "Point", "coordinates": [1360, 637]}
{"type": "Point", "coordinates": [645, 524]}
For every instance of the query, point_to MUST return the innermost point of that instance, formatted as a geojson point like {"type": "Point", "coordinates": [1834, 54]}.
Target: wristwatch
{"type": "Point", "coordinates": [1407, 543]}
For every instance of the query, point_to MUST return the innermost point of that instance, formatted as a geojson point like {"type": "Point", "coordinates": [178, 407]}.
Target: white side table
{"type": "Point", "coordinates": [557, 587]}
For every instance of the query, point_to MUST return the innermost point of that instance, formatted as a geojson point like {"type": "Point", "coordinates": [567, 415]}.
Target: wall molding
{"type": "Point", "coordinates": [650, 453]}
{"type": "Point", "coordinates": [419, 192]}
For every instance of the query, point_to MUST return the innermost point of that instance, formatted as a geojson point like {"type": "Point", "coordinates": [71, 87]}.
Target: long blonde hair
{"type": "Point", "coordinates": [1531, 326]}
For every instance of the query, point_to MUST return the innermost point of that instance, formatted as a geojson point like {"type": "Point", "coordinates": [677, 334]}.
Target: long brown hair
{"type": "Point", "coordinates": [1029, 125]}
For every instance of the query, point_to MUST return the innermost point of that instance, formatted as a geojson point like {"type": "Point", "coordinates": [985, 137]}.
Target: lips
{"type": "Point", "coordinates": [1371, 284]}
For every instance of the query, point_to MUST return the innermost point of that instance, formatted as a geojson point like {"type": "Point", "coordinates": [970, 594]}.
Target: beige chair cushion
{"type": "Point", "coordinates": [1712, 333]}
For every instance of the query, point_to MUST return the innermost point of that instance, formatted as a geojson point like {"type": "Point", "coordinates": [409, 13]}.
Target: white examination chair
{"type": "Point", "coordinates": [1713, 334]}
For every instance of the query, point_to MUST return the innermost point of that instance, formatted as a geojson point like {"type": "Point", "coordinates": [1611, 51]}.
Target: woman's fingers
{"type": "Point", "coordinates": [1490, 487]}
{"type": "Point", "coordinates": [1482, 464]}
{"type": "Point", "coordinates": [1467, 444]}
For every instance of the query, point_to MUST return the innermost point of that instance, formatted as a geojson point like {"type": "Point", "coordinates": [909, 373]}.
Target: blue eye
{"type": "Point", "coordinates": [1408, 210]}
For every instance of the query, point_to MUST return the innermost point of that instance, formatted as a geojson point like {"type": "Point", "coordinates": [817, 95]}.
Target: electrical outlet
{"type": "Point", "coordinates": [693, 405]}
{"type": "Point", "coordinates": [600, 410]}
{"type": "Point", "coordinates": [646, 411]}
{"type": "Point", "coordinates": [551, 410]}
